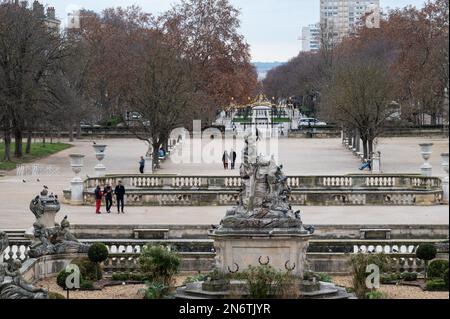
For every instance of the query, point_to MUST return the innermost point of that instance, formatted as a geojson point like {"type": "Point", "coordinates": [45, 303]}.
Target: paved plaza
{"type": "Point", "coordinates": [298, 156]}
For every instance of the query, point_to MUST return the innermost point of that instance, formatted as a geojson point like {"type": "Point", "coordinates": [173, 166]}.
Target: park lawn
{"type": "Point", "coordinates": [38, 150]}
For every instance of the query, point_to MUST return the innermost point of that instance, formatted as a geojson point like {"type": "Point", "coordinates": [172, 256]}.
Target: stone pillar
{"type": "Point", "coordinates": [357, 144]}
{"type": "Point", "coordinates": [426, 168]}
{"type": "Point", "coordinates": [445, 182]}
{"type": "Point", "coordinates": [100, 169]}
{"type": "Point", "coordinates": [77, 184]}
{"type": "Point", "coordinates": [148, 169]}
{"type": "Point", "coordinates": [376, 163]}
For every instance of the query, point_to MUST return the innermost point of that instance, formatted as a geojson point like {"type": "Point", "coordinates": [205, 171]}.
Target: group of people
{"type": "Point", "coordinates": [229, 158]}
{"type": "Point", "coordinates": [107, 193]}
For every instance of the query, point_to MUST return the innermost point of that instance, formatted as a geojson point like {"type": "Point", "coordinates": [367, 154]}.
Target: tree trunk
{"type": "Point", "coordinates": [365, 150]}
{"type": "Point", "coordinates": [78, 130]}
{"type": "Point", "coordinates": [18, 150]}
{"type": "Point", "coordinates": [156, 147]}
{"type": "Point", "coordinates": [7, 138]}
{"type": "Point", "coordinates": [29, 140]}
{"type": "Point", "coordinates": [70, 132]}
{"type": "Point", "coordinates": [370, 146]}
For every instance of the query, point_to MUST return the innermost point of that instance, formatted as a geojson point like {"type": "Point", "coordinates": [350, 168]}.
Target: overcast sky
{"type": "Point", "coordinates": [271, 27]}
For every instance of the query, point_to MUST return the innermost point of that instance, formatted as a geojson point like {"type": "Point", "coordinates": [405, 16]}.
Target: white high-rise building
{"type": "Point", "coordinates": [341, 16]}
{"type": "Point", "coordinates": [311, 38]}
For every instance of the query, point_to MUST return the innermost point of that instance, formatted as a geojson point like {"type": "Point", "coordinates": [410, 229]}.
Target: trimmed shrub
{"type": "Point", "coordinates": [436, 284]}
{"type": "Point", "coordinates": [390, 278]}
{"type": "Point", "coordinates": [86, 285]}
{"type": "Point", "coordinates": [409, 276]}
{"type": "Point", "coordinates": [196, 278]}
{"type": "Point", "coordinates": [62, 276]}
{"type": "Point", "coordinates": [98, 253]}
{"type": "Point", "coordinates": [120, 276]}
{"type": "Point", "coordinates": [159, 264]}
{"type": "Point", "coordinates": [436, 268]}
{"type": "Point", "coordinates": [89, 270]}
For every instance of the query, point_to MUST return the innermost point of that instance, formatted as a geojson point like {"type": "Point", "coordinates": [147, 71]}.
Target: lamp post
{"type": "Point", "coordinates": [426, 167]}
{"type": "Point", "coordinates": [76, 184]}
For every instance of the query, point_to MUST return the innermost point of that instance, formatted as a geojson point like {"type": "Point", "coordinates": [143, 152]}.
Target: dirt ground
{"type": "Point", "coordinates": [399, 291]}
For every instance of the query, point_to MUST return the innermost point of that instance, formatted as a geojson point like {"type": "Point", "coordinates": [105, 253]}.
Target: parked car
{"type": "Point", "coordinates": [310, 122]}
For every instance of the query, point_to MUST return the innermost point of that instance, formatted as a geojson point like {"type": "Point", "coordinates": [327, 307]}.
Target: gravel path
{"type": "Point", "coordinates": [398, 292]}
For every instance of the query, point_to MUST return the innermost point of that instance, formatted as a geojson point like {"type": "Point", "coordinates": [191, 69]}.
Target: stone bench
{"type": "Point", "coordinates": [151, 233]}
{"type": "Point", "coordinates": [375, 233]}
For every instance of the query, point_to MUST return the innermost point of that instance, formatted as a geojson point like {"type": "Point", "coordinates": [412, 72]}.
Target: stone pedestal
{"type": "Point", "coordinates": [100, 169]}
{"type": "Point", "coordinates": [376, 163]}
{"type": "Point", "coordinates": [235, 252]}
{"type": "Point", "coordinates": [445, 182]}
{"type": "Point", "coordinates": [426, 168]}
{"type": "Point", "coordinates": [148, 169]}
{"type": "Point", "coordinates": [77, 189]}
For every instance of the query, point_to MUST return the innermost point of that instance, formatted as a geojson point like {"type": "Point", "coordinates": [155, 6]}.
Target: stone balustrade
{"type": "Point", "coordinates": [295, 182]}
{"type": "Point", "coordinates": [175, 190]}
{"type": "Point", "coordinates": [198, 255]}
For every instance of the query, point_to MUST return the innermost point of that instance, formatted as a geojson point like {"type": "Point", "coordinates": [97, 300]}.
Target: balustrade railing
{"type": "Point", "coordinates": [295, 182]}
{"type": "Point", "coordinates": [124, 254]}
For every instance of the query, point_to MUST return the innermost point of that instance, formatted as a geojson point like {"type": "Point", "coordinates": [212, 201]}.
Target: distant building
{"type": "Point", "coordinates": [311, 38]}
{"type": "Point", "coordinates": [39, 10]}
{"type": "Point", "coordinates": [340, 17]}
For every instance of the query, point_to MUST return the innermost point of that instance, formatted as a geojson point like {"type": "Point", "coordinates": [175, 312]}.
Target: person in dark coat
{"type": "Point", "coordinates": [108, 193]}
{"type": "Point", "coordinates": [119, 191]}
{"type": "Point", "coordinates": [233, 156]}
{"type": "Point", "coordinates": [142, 165]}
{"type": "Point", "coordinates": [98, 199]}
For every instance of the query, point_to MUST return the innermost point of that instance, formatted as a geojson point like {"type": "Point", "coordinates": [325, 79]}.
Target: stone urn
{"type": "Point", "coordinates": [76, 185]}
{"type": "Point", "coordinates": [425, 151]}
{"type": "Point", "coordinates": [100, 155]}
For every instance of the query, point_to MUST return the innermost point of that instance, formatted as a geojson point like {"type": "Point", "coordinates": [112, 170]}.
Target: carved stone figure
{"type": "Point", "coordinates": [263, 203]}
{"type": "Point", "coordinates": [49, 237]}
{"type": "Point", "coordinates": [14, 286]}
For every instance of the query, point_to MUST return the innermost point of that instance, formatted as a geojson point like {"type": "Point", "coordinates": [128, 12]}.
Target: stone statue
{"type": "Point", "coordinates": [263, 203]}
{"type": "Point", "coordinates": [14, 286]}
{"type": "Point", "coordinates": [48, 237]}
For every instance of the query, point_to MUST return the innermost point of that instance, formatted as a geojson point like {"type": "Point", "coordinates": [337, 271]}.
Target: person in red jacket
{"type": "Point", "coordinates": [98, 199]}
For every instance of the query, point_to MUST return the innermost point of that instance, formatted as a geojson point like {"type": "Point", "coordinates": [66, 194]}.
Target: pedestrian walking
{"type": "Point", "coordinates": [142, 165]}
{"type": "Point", "coordinates": [108, 193]}
{"type": "Point", "coordinates": [119, 191]}
{"type": "Point", "coordinates": [98, 199]}
{"type": "Point", "coordinates": [225, 159]}
{"type": "Point", "coordinates": [233, 157]}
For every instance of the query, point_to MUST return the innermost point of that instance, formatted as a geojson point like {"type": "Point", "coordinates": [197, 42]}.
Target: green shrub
{"type": "Point", "coordinates": [323, 277]}
{"type": "Point", "coordinates": [436, 268]}
{"type": "Point", "coordinates": [426, 252]}
{"type": "Point", "coordinates": [55, 295]}
{"type": "Point", "coordinates": [196, 278]}
{"type": "Point", "coordinates": [62, 276]}
{"type": "Point", "coordinates": [137, 276]}
{"type": "Point", "coordinates": [155, 290]}
{"type": "Point", "coordinates": [409, 276]}
{"type": "Point", "coordinates": [86, 285]}
{"type": "Point", "coordinates": [389, 278]}
{"type": "Point", "coordinates": [376, 295]}
{"type": "Point", "coordinates": [88, 269]}
{"type": "Point", "coordinates": [159, 264]}
{"type": "Point", "coordinates": [261, 281]}
{"type": "Point", "coordinates": [359, 263]}
{"type": "Point", "coordinates": [436, 284]}
{"type": "Point", "coordinates": [120, 276]}
{"type": "Point", "coordinates": [445, 277]}
{"type": "Point", "coordinates": [98, 253]}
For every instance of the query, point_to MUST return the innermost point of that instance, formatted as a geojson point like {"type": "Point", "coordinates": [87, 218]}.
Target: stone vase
{"type": "Point", "coordinates": [76, 185]}
{"type": "Point", "coordinates": [100, 169]}
{"type": "Point", "coordinates": [426, 150]}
